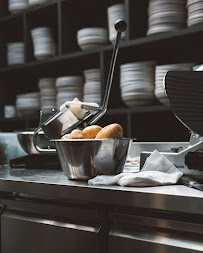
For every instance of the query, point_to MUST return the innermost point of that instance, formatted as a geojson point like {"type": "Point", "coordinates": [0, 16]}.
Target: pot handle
{"type": "Point", "coordinates": [41, 150]}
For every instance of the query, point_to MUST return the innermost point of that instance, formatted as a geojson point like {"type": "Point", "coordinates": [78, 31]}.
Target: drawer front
{"type": "Point", "coordinates": [144, 241]}
{"type": "Point", "coordinates": [24, 233]}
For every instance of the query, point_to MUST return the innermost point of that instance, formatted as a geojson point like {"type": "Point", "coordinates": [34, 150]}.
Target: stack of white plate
{"type": "Point", "coordinates": [47, 94]}
{"type": "Point", "coordinates": [92, 37]}
{"type": "Point", "coordinates": [43, 42]}
{"type": "Point", "coordinates": [114, 13]}
{"type": "Point", "coordinates": [15, 53]}
{"type": "Point", "coordinates": [37, 2]}
{"type": "Point", "coordinates": [160, 73]}
{"type": "Point", "coordinates": [28, 103]}
{"type": "Point", "coordinates": [92, 86]}
{"type": "Point", "coordinates": [195, 12]}
{"type": "Point", "coordinates": [68, 88]}
{"type": "Point", "coordinates": [198, 67]}
{"type": "Point", "coordinates": [17, 5]}
{"type": "Point", "coordinates": [137, 83]}
{"type": "Point", "coordinates": [166, 16]}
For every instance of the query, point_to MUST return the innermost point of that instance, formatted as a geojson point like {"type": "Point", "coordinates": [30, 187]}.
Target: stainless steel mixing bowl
{"type": "Point", "coordinates": [84, 159]}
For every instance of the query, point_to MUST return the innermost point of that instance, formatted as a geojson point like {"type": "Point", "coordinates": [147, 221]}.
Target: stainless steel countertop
{"type": "Point", "coordinates": [54, 184]}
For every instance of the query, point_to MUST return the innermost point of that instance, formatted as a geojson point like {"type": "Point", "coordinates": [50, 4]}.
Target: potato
{"type": "Point", "coordinates": [90, 132]}
{"type": "Point", "coordinates": [77, 134]}
{"type": "Point", "coordinates": [112, 131]}
{"type": "Point", "coordinates": [66, 137]}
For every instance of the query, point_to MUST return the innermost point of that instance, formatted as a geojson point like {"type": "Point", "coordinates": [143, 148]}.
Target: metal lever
{"type": "Point", "coordinates": [120, 26]}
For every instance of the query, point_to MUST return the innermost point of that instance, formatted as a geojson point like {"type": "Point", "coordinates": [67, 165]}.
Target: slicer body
{"type": "Point", "coordinates": [184, 90]}
{"type": "Point", "coordinates": [188, 160]}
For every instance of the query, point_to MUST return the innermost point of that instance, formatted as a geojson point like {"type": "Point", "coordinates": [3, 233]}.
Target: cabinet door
{"type": "Point", "coordinates": [155, 236]}
{"type": "Point", "coordinates": [24, 233]}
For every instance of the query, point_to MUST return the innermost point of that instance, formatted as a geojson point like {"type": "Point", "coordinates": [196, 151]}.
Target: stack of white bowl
{"type": "Point", "coordinates": [114, 13]}
{"type": "Point", "coordinates": [92, 86]}
{"type": "Point", "coordinates": [15, 53]}
{"type": "Point", "coordinates": [137, 83]}
{"type": "Point", "coordinates": [195, 12]}
{"type": "Point", "coordinates": [166, 16]}
{"type": "Point", "coordinates": [17, 5]}
{"type": "Point", "coordinates": [160, 73]}
{"type": "Point", "coordinates": [43, 42]}
{"type": "Point", "coordinates": [68, 88]}
{"type": "Point", "coordinates": [92, 37]}
{"type": "Point", "coordinates": [28, 103]}
{"type": "Point", "coordinates": [47, 94]}
{"type": "Point", "coordinates": [37, 2]}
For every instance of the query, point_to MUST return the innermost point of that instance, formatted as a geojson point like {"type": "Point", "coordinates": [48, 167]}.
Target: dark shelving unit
{"type": "Point", "coordinates": [147, 123]}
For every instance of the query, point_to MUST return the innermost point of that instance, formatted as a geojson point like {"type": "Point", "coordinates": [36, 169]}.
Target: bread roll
{"type": "Point", "coordinates": [112, 131]}
{"type": "Point", "coordinates": [90, 132]}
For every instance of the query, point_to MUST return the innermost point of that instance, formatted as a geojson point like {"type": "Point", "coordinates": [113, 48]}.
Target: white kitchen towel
{"type": "Point", "coordinates": [132, 164]}
{"type": "Point", "coordinates": [157, 170]}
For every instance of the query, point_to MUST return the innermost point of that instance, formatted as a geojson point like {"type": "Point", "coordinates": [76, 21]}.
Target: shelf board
{"type": "Point", "coordinates": [30, 9]}
{"type": "Point", "coordinates": [139, 109]}
{"type": "Point", "coordinates": [159, 37]}
{"type": "Point", "coordinates": [117, 111]}
{"type": "Point", "coordinates": [50, 61]}
{"type": "Point", "coordinates": [163, 38]}
{"type": "Point", "coordinates": [39, 7]}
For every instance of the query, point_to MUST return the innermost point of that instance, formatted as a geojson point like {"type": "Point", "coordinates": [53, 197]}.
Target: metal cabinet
{"type": "Point", "coordinates": [139, 234]}
{"type": "Point", "coordinates": [37, 232]}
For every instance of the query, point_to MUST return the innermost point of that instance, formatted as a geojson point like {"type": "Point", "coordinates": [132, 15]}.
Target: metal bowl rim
{"type": "Point", "coordinates": [88, 140]}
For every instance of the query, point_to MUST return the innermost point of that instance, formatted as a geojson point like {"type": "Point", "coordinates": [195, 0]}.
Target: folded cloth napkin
{"type": "Point", "coordinates": [157, 170]}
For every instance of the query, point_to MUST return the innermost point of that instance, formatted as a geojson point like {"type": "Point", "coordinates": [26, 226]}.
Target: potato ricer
{"type": "Point", "coordinates": [74, 113]}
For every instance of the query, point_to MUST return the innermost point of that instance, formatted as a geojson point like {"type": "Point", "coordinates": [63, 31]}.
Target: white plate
{"type": "Point", "coordinates": [137, 95]}
{"type": "Point", "coordinates": [136, 79]}
{"type": "Point", "coordinates": [191, 2]}
{"type": "Point", "coordinates": [136, 89]}
{"type": "Point", "coordinates": [92, 31]}
{"type": "Point", "coordinates": [68, 80]}
{"type": "Point", "coordinates": [91, 46]}
{"type": "Point", "coordinates": [35, 2]}
{"type": "Point", "coordinates": [116, 7]}
{"type": "Point", "coordinates": [102, 41]}
{"type": "Point", "coordinates": [185, 66]}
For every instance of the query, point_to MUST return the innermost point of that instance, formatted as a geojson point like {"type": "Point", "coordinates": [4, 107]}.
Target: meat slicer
{"type": "Point", "coordinates": [184, 90]}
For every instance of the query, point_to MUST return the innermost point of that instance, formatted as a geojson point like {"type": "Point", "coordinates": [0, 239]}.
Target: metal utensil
{"type": "Point", "coordinates": [64, 120]}
{"type": "Point", "coordinates": [85, 158]}
{"type": "Point", "coordinates": [190, 182]}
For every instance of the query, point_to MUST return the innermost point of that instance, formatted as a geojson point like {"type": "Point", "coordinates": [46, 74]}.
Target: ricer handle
{"type": "Point", "coordinates": [120, 26]}
{"type": "Point", "coordinates": [44, 150]}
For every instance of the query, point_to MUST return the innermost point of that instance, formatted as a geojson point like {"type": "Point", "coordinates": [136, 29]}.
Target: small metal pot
{"type": "Point", "coordinates": [25, 140]}
{"type": "Point", "coordinates": [85, 159]}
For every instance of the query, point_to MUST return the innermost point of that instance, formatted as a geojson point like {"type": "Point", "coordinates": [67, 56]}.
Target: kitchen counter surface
{"type": "Point", "coordinates": [54, 184]}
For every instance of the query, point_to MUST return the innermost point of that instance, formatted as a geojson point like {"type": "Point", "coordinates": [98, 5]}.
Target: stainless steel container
{"type": "Point", "coordinates": [25, 139]}
{"type": "Point", "coordinates": [85, 158]}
